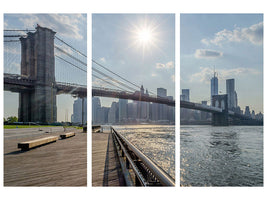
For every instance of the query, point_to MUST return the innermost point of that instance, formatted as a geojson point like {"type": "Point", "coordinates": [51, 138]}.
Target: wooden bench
{"type": "Point", "coordinates": [38, 142]}
{"type": "Point", "coordinates": [67, 135]}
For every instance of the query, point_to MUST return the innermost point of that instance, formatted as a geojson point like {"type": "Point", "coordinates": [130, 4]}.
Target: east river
{"type": "Point", "coordinates": [155, 141]}
{"type": "Point", "coordinates": [221, 156]}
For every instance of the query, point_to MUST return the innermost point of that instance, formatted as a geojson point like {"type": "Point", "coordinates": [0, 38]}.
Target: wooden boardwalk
{"type": "Point", "coordinates": [62, 163]}
{"type": "Point", "coordinates": [106, 170]}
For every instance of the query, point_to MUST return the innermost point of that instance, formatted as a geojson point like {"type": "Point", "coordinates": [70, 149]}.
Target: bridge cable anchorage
{"type": "Point", "coordinates": [70, 63]}
{"type": "Point", "coordinates": [71, 56]}
{"type": "Point", "coordinates": [71, 46]}
{"type": "Point", "coordinates": [114, 79]}
{"type": "Point", "coordinates": [107, 82]}
{"type": "Point", "coordinates": [115, 73]}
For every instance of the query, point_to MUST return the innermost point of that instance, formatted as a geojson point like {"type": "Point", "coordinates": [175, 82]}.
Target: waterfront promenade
{"type": "Point", "coordinates": [62, 163]}
{"type": "Point", "coordinates": [106, 170]}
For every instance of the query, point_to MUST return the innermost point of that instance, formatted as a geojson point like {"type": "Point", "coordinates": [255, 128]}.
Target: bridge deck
{"type": "Point", "coordinates": [106, 170]}
{"type": "Point", "coordinates": [58, 164]}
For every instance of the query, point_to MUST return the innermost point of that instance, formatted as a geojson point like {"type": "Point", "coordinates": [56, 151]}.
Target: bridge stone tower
{"type": "Point", "coordinates": [220, 119]}
{"type": "Point", "coordinates": [38, 62]}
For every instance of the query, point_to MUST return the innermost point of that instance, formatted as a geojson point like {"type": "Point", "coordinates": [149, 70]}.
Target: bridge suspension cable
{"type": "Point", "coordinates": [11, 41]}
{"type": "Point", "coordinates": [71, 46]}
{"type": "Point", "coordinates": [70, 63]}
{"type": "Point", "coordinates": [63, 51]}
{"type": "Point", "coordinates": [115, 74]}
{"type": "Point", "coordinates": [14, 36]}
{"type": "Point", "coordinates": [76, 62]}
{"type": "Point", "coordinates": [120, 76]}
{"type": "Point", "coordinates": [107, 82]}
{"type": "Point", "coordinates": [18, 30]}
{"type": "Point", "coordinates": [116, 81]}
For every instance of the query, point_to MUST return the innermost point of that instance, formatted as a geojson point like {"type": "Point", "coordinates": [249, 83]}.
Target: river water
{"type": "Point", "coordinates": [155, 141]}
{"type": "Point", "coordinates": [221, 156]}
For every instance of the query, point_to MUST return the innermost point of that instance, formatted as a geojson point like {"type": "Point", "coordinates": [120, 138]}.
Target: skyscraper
{"type": "Point", "coordinates": [185, 94]}
{"type": "Point", "coordinates": [247, 111]}
{"type": "Point", "coordinates": [95, 107]}
{"type": "Point", "coordinates": [230, 91]}
{"type": "Point", "coordinates": [162, 109]}
{"type": "Point", "coordinates": [77, 111]}
{"type": "Point", "coordinates": [112, 113]}
{"type": "Point", "coordinates": [122, 110]}
{"type": "Point", "coordinates": [213, 86]}
{"type": "Point", "coordinates": [161, 92]}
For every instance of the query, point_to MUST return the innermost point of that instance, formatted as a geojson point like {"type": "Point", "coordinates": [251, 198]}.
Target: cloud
{"type": "Point", "coordinates": [252, 34]}
{"type": "Point", "coordinates": [206, 74]}
{"type": "Point", "coordinates": [154, 75]}
{"type": "Point", "coordinates": [67, 24]}
{"type": "Point", "coordinates": [168, 65]}
{"type": "Point", "coordinates": [207, 53]}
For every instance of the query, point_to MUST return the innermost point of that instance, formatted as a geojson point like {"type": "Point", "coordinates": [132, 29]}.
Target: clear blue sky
{"type": "Point", "coordinates": [233, 44]}
{"type": "Point", "coordinates": [72, 28]}
{"type": "Point", "coordinates": [139, 47]}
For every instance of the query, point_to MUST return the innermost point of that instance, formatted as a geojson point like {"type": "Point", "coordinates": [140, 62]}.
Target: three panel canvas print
{"type": "Point", "coordinates": [131, 125]}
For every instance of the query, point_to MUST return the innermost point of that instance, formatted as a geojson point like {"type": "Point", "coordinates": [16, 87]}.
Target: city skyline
{"type": "Point", "coordinates": [232, 44]}
{"type": "Point", "coordinates": [68, 27]}
{"type": "Point", "coordinates": [138, 47]}
{"type": "Point", "coordinates": [134, 112]}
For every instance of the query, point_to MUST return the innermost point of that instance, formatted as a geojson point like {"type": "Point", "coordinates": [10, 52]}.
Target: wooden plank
{"type": "Point", "coordinates": [38, 142]}
{"type": "Point", "coordinates": [67, 135]}
{"type": "Point", "coordinates": [63, 163]}
{"type": "Point", "coordinates": [106, 170]}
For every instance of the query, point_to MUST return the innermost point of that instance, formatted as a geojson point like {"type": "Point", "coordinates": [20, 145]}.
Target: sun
{"type": "Point", "coordinates": [144, 36]}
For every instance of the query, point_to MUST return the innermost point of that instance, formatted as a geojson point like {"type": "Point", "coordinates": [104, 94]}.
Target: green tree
{"type": "Point", "coordinates": [12, 119]}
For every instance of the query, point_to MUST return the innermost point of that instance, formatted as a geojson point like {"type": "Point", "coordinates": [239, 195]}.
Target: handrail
{"type": "Point", "coordinates": [159, 173]}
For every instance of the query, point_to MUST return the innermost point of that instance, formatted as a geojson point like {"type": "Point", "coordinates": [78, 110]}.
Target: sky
{"type": "Point", "coordinates": [139, 47]}
{"type": "Point", "coordinates": [72, 28]}
{"type": "Point", "coordinates": [232, 44]}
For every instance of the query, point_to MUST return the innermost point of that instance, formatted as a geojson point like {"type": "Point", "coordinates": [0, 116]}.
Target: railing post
{"type": "Point", "coordinates": [137, 182]}
{"type": "Point", "coordinates": [127, 164]}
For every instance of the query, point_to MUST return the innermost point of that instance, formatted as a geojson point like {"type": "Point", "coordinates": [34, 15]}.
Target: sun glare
{"type": "Point", "coordinates": [144, 35]}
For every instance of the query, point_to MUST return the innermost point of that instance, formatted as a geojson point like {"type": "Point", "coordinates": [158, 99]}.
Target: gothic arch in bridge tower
{"type": "Point", "coordinates": [220, 119]}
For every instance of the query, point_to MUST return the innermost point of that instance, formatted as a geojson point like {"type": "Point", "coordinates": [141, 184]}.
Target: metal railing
{"type": "Point", "coordinates": [146, 172]}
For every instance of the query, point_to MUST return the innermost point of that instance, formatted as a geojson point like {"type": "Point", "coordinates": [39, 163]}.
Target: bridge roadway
{"type": "Point", "coordinates": [211, 109]}
{"type": "Point", "coordinates": [105, 92]}
{"type": "Point", "coordinates": [62, 163]}
{"type": "Point", "coordinates": [19, 83]}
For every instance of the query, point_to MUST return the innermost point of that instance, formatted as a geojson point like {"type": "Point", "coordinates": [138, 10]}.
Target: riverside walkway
{"type": "Point", "coordinates": [62, 163]}
{"type": "Point", "coordinates": [106, 170]}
